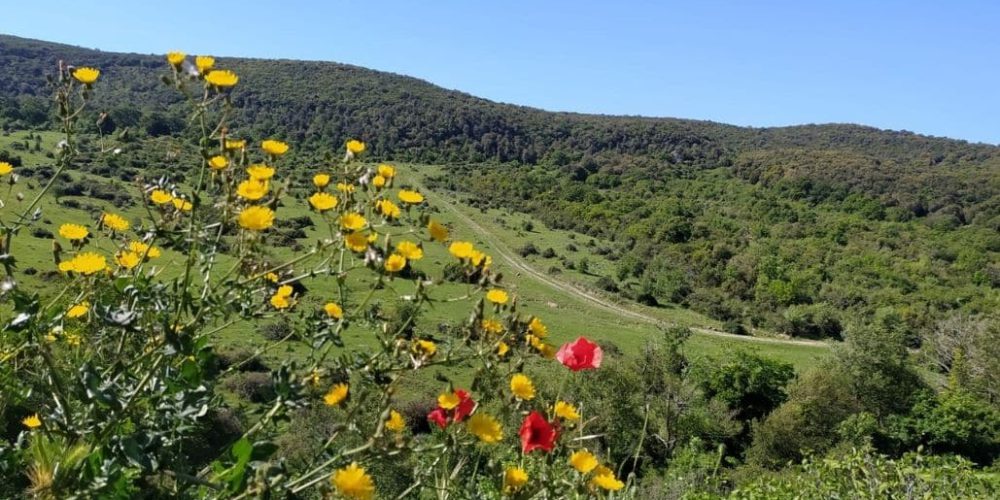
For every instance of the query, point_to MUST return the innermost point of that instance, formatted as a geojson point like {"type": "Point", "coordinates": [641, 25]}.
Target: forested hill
{"type": "Point", "coordinates": [405, 118]}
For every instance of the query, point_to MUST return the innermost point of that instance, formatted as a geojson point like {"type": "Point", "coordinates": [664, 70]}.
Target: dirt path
{"type": "Point", "coordinates": [517, 263]}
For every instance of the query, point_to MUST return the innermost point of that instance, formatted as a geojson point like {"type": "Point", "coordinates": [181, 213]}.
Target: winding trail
{"type": "Point", "coordinates": [516, 262]}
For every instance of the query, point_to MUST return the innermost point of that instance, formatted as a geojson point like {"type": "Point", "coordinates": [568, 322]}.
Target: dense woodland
{"type": "Point", "coordinates": [889, 241]}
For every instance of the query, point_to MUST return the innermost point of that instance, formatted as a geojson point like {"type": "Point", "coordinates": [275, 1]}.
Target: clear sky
{"type": "Point", "coordinates": [927, 66]}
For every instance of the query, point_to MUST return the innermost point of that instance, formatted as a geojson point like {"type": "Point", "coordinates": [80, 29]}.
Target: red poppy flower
{"type": "Point", "coordinates": [438, 416]}
{"type": "Point", "coordinates": [465, 405]}
{"type": "Point", "coordinates": [580, 354]}
{"type": "Point", "coordinates": [537, 433]}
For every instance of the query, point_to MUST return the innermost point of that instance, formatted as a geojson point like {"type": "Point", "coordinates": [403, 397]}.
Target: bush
{"type": "Point", "coordinates": [256, 387]}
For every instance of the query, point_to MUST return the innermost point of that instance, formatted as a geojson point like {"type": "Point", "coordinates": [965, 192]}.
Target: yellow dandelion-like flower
{"type": "Point", "coordinates": [32, 422]}
{"type": "Point", "coordinates": [218, 162]}
{"type": "Point", "coordinates": [114, 221]}
{"type": "Point", "coordinates": [410, 250]}
{"type": "Point", "coordinates": [521, 387]}
{"type": "Point", "coordinates": [537, 328]}
{"type": "Point", "coordinates": [323, 201]}
{"type": "Point", "coordinates": [336, 395]}
{"type": "Point", "coordinates": [387, 171]}
{"type": "Point", "coordinates": [128, 260]}
{"type": "Point", "coordinates": [437, 231]}
{"type": "Point", "coordinates": [88, 263]}
{"type": "Point", "coordinates": [281, 301]}
{"type": "Point", "coordinates": [352, 221]}
{"type": "Point", "coordinates": [6, 168]}
{"type": "Point", "coordinates": [566, 411]}
{"type": "Point", "coordinates": [160, 197]}
{"type": "Point", "coordinates": [321, 180]}
{"type": "Point", "coordinates": [345, 188]}
{"type": "Point", "coordinates": [285, 291]}
{"type": "Point", "coordinates": [182, 205]}
{"type": "Point", "coordinates": [274, 147]}
{"type": "Point", "coordinates": [411, 197]}
{"type": "Point", "coordinates": [260, 172]}
{"type": "Point", "coordinates": [256, 218]}
{"type": "Point", "coordinates": [353, 482]}
{"type": "Point", "coordinates": [356, 242]}
{"type": "Point", "coordinates": [395, 263]}
{"type": "Point", "coordinates": [252, 190]}
{"type": "Point", "coordinates": [502, 349]}
{"type": "Point", "coordinates": [67, 266]}
{"type": "Point", "coordinates": [492, 326]}
{"type": "Point", "coordinates": [235, 144]}
{"type": "Point", "coordinates": [222, 78]}
{"type": "Point", "coordinates": [378, 181]}
{"type": "Point", "coordinates": [78, 310]}
{"type": "Point", "coordinates": [497, 296]}
{"type": "Point", "coordinates": [355, 146]}
{"type": "Point", "coordinates": [448, 400]}
{"type": "Point", "coordinates": [485, 427]}
{"type": "Point", "coordinates": [333, 310]}
{"type": "Point", "coordinates": [86, 75]}
{"type": "Point", "coordinates": [514, 478]}
{"type": "Point", "coordinates": [272, 277]}
{"type": "Point", "coordinates": [204, 63]}
{"type": "Point", "coordinates": [605, 479]}
{"type": "Point", "coordinates": [388, 209]}
{"type": "Point", "coordinates": [73, 232]}
{"type": "Point", "coordinates": [141, 249]}
{"type": "Point", "coordinates": [583, 461]}
{"type": "Point", "coordinates": [425, 347]}
{"type": "Point", "coordinates": [176, 58]}
{"type": "Point", "coordinates": [479, 258]}
{"type": "Point", "coordinates": [461, 249]}
{"type": "Point", "coordinates": [396, 423]}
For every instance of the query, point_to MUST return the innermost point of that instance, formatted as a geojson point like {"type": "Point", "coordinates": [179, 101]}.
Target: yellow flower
{"type": "Point", "coordinates": [547, 351]}
{"type": "Point", "coordinates": [411, 197]}
{"type": "Point", "coordinates": [438, 232]}
{"type": "Point", "coordinates": [502, 348]}
{"type": "Point", "coordinates": [352, 221]}
{"type": "Point", "coordinates": [182, 205]}
{"type": "Point", "coordinates": [252, 190]}
{"type": "Point", "coordinates": [566, 411]}
{"type": "Point", "coordinates": [6, 168]}
{"type": "Point", "coordinates": [88, 263]}
{"type": "Point", "coordinates": [356, 241]}
{"type": "Point", "coordinates": [492, 326]}
{"type": "Point", "coordinates": [142, 249]}
{"type": "Point", "coordinates": [521, 387]}
{"type": "Point", "coordinates": [353, 482]}
{"type": "Point", "coordinates": [160, 197]}
{"type": "Point", "coordinates": [448, 400]}
{"type": "Point", "coordinates": [485, 427]}
{"type": "Point", "coordinates": [410, 250]}
{"type": "Point", "coordinates": [235, 144]}
{"type": "Point", "coordinates": [321, 180]}
{"type": "Point", "coordinates": [355, 146]}
{"type": "Point", "coordinates": [273, 278]}
{"type": "Point", "coordinates": [274, 147]}
{"type": "Point", "coordinates": [395, 263]}
{"type": "Point", "coordinates": [478, 258]}
{"type": "Point", "coordinates": [218, 162]}
{"type": "Point", "coordinates": [378, 181]}
{"type": "Point", "coordinates": [497, 296]}
{"type": "Point", "coordinates": [425, 347]}
{"type": "Point", "coordinates": [514, 478]}
{"type": "Point", "coordinates": [114, 221]}
{"type": "Point", "coordinates": [323, 201]}
{"type": "Point", "coordinates": [73, 339]}
{"type": "Point", "coordinates": [128, 260]}
{"type": "Point", "coordinates": [583, 461]}
{"type": "Point", "coordinates": [86, 75]}
{"type": "Point", "coordinates": [32, 422]}
{"type": "Point", "coordinates": [67, 266]}
{"type": "Point", "coordinates": [260, 172]}
{"type": "Point", "coordinates": [222, 78]}
{"type": "Point", "coordinates": [336, 395]}
{"type": "Point", "coordinates": [461, 249]}
{"type": "Point", "coordinates": [387, 171]}
{"type": "Point", "coordinates": [604, 478]}
{"type": "Point", "coordinates": [256, 218]}
{"type": "Point", "coordinates": [388, 208]}
{"type": "Point", "coordinates": [176, 58]}
{"type": "Point", "coordinates": [78, 310]}
{"type": "Point", "coordinates": [204, 63]}
{"type": "Point", "coordinates": [395, 422]}
{"type": "Point", "coordinates": [345, 188]}
{"type": "Point", "coordinates": [333, 310]}
{"type": "Point", "coordinates": [282, 297]}
{"type": "Point", "coordinates": [285, 291]}
{"type": "Point", "coordinates": [537, 328]}
{"type": "Point", "coordinates": [73, 231]}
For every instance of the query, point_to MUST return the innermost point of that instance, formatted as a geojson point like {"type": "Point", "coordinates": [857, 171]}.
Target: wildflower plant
{"type": "Point", "coordinates": [118, 371]}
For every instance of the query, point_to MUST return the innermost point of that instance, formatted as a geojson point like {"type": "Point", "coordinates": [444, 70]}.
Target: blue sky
{"type": "Point", "coordinates": [927, 66]}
